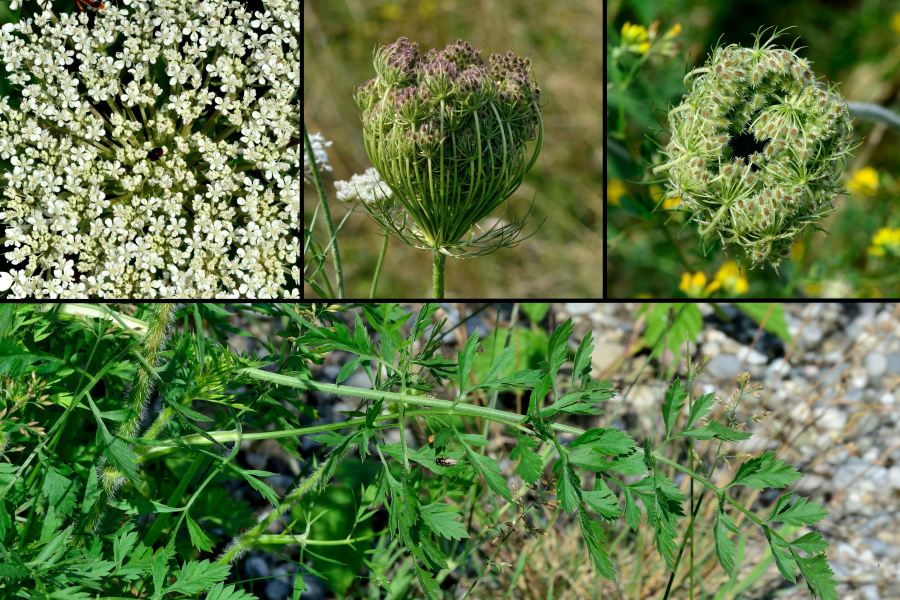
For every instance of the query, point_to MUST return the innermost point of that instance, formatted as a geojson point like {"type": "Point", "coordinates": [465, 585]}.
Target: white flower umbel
{"type": "Point", "coordinates": [154, 151]}
{"type": "Point", "coordinates": [319, 143]}
{"type": "Point", "coordinates": [368, 187]}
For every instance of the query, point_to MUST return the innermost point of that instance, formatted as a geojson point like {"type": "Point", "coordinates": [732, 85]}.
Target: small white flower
{"type": "Point", "coordinates": [368, 187]}
{"type": "Point", "coordinates": [6, 281]}
{"type": "Point", "coordinates": [319, 143]}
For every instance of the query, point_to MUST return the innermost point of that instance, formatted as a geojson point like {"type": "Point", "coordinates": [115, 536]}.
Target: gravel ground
{"type": "Point", "coordinates": [831, 401]}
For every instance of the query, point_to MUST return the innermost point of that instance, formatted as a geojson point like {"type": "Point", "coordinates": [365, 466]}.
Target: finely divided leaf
{"type": "Point", "coordinates": [490, 471]}
{"type": "Point", "coordinates": [782, 554]}
{"type": "Point", "coordinates": [466, 359]}
{"type": "Point", "coordinates": [568, 488]}
{"type": "Point", "coordinates": [538, 393]}
{"type": "Point", "coordinates": [727, 434]}
{"type": "Point", "coordinates": [765, 471]}
{"type": "Point", "coordinates": [223, 592]}
{"type": "Point", "coordinates": [442, 519]}
{"type": "Point", "coordinates": [819, 576]}
{"type": "Point", "coordinates": [558, 348]}
{"type": "Point", "coordinates": [610, 442]}
{"type": "Point", "coordinates": [700, 407]}
{"type": "Point", "coordinates": [593, 539]}
{"type": "Point", "coordinates": [581, 365]}
{"type": "Point", "coordinates": [602, 500]}
{"type": "Point", "coordinates": [196, 576]}
{"type": "Point", "coordinates": [672, 404]}
{"type": "Point", "coordinates": [632, 513]}
{"type": "Point", "coordinates": [429, 585]}
{"type": "Point", "coordinates": [801, 512]}
{"type": "Point", "coordinates": [724, 545]}
{"type": "Point", "coordinates": [199, 539]}
{"type": "Point", "coordinates": [530, 464]}
{"type": "Point", "coordinates": [811, 543]}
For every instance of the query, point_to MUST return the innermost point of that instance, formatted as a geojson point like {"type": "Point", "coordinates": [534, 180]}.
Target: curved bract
{"type": "Point", "coordinates": [758, 148]}
{"type": "Point", "coordinates": [449, 135]}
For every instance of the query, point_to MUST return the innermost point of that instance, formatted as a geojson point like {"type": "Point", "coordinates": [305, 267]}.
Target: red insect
{"type": "Point", "coordinates": [94, 4]}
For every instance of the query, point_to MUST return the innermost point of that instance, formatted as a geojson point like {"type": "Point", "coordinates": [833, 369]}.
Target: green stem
{"type": "Point", "coordinates": [384, 245]}
{"type": "Point", "coordinates": [300, 540]}
{"type": "Point", "coordinates": [437, 274]}
{"type": "Point", "coordinates": [329, 222]}
{"type": "Point", "coordinates": [246, 540]}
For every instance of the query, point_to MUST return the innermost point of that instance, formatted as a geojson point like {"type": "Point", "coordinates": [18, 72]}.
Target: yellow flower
{"type": "Point", "coordinates": [885, 241]}
{"type": "Point", "coordinates": [693, 285]}
{"type": "Point", "coordinates": [673, 31]}
{"type": "Point", "coordinates": [798, 251]}
{"type": "Point", "coordinates": [863, 182]}
{"type": "Point", "coordinates": [729, 279]}
{"type": "Point", "coordinates": [635, 38]}
{"type": "Point", "coordinates": [615, 189]}
{"type": "Point", "coordinates": [895, 22]}
{"type": "Point", "coordinates": [672, 203]}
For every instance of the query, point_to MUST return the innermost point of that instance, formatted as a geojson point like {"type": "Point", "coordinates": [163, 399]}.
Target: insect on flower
{"type": "Point", "coordinates": [155, 154]}
{"type": "Point", "coordinates": [94, 4]}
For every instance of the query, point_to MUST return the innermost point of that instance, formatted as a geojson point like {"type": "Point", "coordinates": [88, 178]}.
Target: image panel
{"type": "Point", "coordinates": [453, 149]}
{"type": "Point", "coordinates": [752, 149]}
{"type": "Point", "coordinates": [150, 149]}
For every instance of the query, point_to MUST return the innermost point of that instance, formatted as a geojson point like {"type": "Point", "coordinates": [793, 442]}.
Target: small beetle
{"type": "Point", "coordinates": [445, 462]}
{"type": "Point", "coordinates": [155, 154]}
{"type": "Point", "coordinates": [95, 4]}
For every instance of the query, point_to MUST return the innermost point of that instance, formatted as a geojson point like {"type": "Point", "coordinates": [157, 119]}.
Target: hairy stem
{"type": "Point", "coordinates": [437, 274]}
{"type": "Point", "coordinates": [377, 276]}
{"type": "Point", "coordinates": [329, 222]}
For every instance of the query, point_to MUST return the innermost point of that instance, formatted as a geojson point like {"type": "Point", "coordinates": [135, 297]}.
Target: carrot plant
{"type": "Point", "coordinates": [115, 486]}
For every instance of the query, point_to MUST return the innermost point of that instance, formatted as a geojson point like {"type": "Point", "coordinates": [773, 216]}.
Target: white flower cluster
{"type": "Point", "coordinates": [319, 143]}
{"type": "Point", "coordinates": [155, 150]}
{"type": "Point", "coordinates": [368, 187]}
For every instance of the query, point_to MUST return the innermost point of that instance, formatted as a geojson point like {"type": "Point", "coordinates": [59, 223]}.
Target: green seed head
{"type": "Point", "coordinates": [758, 148]}
{"type": "Point", "coordinates": [449, 135]}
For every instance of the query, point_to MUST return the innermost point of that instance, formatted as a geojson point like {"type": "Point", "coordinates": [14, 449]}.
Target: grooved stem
{"type": "Point", "coordinates": [437, 274]}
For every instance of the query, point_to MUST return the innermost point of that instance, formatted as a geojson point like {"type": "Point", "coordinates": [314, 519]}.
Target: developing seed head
{"type": "Point", "coordinates": [450, 136]}
{"type": "Point", "coordinates": [763, 129]}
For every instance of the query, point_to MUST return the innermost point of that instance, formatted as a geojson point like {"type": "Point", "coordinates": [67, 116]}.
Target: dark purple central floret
{"type": "Point", "coordinates": [441, 67]}
{"type": "Point", "coordinates": [403, 54]}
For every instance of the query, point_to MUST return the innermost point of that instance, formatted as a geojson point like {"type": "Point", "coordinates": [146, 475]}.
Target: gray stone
{"type": "Point", "coordinates": [876, 364]}
{"type": "Point", "coordinates": [579, 308]}
{"type": "Point", "coordinates": [605, 354]}
{"type": "Point", "coordinates": [893, 363]}
{"type": "Point", "coordinates": [869, 592]}
{"type": "Point", "coordinates": [751, 356]}
{"type": "Point", "coordinates": [724, 366]}
{"type": "Point", "coordinates": [811, 335]}
{"type": "Point", "coordinates": [893, 477]}
{"type": "Point", "coordinates": [256, 567]}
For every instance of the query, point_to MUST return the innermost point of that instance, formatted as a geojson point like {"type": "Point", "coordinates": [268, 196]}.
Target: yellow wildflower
{"type": "Point", "coordinates": [895, 22]}
{"type": "Point", "coordinates": [615, 189]}
{"type": "Point", "coordinates": [635, 38]}
{"type": "Point", "coordinates": [863, 182]}
{"type": "Point", "coordinates": [693, 285]}
{"type": "Point", "coordinates": [672, 203]}
{"type": "Point", "coordinates": [729, 279]}
{"type": "Point", "coordinates": [673, 31]}
{"type": "Point", "coordinates": [885, 241]}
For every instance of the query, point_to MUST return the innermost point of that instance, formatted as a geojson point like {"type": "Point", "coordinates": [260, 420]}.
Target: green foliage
{"type": "Point", "coordinates": [405, 512]}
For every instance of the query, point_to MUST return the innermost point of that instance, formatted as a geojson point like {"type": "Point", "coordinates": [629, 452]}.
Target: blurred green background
{"type": "Point", "coordinates": [652, 252]}
{"type": "Point", "coordinates": [563, 39]}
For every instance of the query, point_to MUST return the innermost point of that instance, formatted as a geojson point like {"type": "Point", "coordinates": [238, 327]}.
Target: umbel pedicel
{"type": "Point", "coordinates": [450, 136]}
